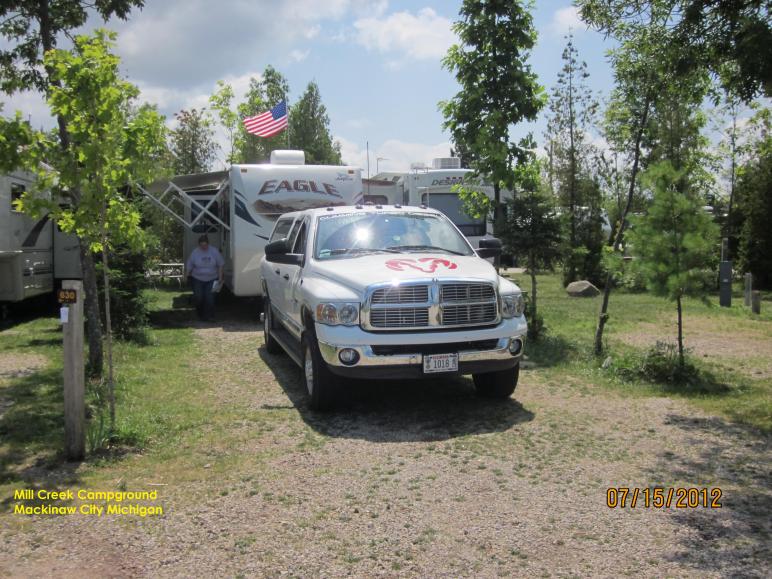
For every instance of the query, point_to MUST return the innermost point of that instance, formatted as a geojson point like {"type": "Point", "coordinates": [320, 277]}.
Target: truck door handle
{"type": "Point", "coordinates": [286, 276]}
{"type": "Point", "coordinates": [277, 271]}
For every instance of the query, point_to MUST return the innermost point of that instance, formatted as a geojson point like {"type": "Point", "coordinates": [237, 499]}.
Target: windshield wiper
{"type": "Point", "coordinates": [345, 250]}
{"type": "Point", "coordinates": [422, 247]}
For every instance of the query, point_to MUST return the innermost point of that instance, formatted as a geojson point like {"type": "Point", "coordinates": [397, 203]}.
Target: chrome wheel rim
{"type": "Point", "coordinates": [308, 367]}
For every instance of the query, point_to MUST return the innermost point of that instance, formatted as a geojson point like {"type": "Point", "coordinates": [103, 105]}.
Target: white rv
{"type": "Point", "coordinates": [433, 187]}
{"type": "Point", "coordinates": [238, 208]}
{"type": "Point", "coordinates": [33, 252]}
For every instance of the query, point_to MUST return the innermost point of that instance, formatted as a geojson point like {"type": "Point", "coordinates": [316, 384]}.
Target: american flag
{"type": "Point", "coordinates": [269, 123]}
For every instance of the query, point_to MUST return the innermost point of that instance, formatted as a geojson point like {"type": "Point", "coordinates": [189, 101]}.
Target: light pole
{"type": "Point", "coordinates": [377, 161]}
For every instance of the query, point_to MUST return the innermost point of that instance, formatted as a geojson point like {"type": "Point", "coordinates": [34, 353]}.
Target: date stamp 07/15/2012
{"type": "Point", "coordinates": [663, 498]}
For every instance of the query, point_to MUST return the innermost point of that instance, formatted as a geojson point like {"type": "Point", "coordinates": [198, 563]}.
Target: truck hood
{"type": "Point", "coordinates": [359, 272]}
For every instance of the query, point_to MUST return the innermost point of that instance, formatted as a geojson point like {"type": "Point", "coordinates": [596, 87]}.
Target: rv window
{"type": "Point", "coordinates": [17, 190]}
{"type": "Point", "coordinates": [282, 229]}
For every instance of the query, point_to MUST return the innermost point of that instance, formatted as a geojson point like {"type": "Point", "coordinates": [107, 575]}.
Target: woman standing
{"type": "Point", "coordinates": [204, 266]}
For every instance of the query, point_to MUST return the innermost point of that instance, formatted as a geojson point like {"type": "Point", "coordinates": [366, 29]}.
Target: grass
{"type": "Point", "coordinates": [567, 347]}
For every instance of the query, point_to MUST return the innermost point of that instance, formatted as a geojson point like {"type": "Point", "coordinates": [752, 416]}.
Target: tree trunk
{"type": "Point", "coordinates": [603, 316]}
{"type": "Point", "coordinates": [680, 333]}
{"type": "Point", "coordinates": [534, 315]}
{"type": "Point", "coordinates": [109, 331]}
{"type": "Point", "coordinates": [91, 302]}
{"type": "Point", "coordinates": [497, 217]}
{"type": "Point", "coordinates": [572, 179]}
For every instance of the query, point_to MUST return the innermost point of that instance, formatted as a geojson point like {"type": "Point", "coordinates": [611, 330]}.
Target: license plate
{"type": "Point", "coordinates": [440, 363]}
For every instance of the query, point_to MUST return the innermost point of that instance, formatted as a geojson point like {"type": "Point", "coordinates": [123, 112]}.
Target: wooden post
{"type": "Point", "coordinates": [748, 289]}
{"type": "Point", "coordinates": [756, 302]}
{"type": "Point", "coordinates": [74, 375]}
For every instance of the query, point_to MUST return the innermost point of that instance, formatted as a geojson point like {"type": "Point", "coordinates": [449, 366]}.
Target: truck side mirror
{"type": "Point", "coordinates": [279, 252]}
{"type": "Point", "coordinates": [489, 247]}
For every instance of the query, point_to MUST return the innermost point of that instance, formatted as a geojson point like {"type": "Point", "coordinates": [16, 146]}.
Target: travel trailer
{"type": "Point", "coordinates": [34, 254]}
{"type": "Point", "coordinates": [238, 208]}
{"type": "Point", "coordinates": [433, 187]}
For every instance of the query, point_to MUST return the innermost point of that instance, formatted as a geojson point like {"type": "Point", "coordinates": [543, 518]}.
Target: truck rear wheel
{"type": "Point", "coordinates": [271, 345]}
{"type": "Point", "coordinates": [319, 381]}
{"type": "Point", "coordinates": [499, 384]}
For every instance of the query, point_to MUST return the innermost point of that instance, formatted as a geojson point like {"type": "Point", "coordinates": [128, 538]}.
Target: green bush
{"type": "Point", "coordinates": [660, 365]}
{"type": "Point", "coordinates": [128, 304]}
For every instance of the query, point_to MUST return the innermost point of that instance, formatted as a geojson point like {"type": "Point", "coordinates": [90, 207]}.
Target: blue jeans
{"type": "Point", "coordinates": [203, 298]}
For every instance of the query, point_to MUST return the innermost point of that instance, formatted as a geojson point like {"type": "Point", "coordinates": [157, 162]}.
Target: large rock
{"type": "Point", "coordinates": [582, 289]}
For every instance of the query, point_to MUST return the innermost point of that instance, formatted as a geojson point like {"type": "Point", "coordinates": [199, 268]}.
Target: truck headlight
{"type": "Point", "coordinates": [512, 305]}
{"type": "Point", "coordinates": [334, 314]}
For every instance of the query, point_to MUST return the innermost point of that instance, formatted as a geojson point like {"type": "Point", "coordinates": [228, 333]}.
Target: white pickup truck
{"type": "Point", "coordinates": [388, 292]}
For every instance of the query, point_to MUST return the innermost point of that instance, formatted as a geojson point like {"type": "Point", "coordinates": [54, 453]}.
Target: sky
{"type": "Point", "coordinates": [377, 63]}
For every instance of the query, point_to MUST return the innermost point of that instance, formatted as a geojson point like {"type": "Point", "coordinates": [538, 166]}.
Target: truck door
{"type": "Point", "coordinates": [273, 278]}
{"type": "Point", "coordinates": [292, 287]}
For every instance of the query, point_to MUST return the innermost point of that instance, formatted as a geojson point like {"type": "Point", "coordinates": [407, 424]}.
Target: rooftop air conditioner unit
{"type": "Point", "coordinates": [284, 157]}
{"type": "Point", "coordinates": [446, 163]}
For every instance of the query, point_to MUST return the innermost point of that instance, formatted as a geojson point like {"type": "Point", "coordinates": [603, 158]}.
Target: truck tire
{"type": "Point", "coordinates": [319, 381]}
{"type": "Point", "coordinates": [499, 384]}
{"type": "Point", "coordinates": [271, 345]}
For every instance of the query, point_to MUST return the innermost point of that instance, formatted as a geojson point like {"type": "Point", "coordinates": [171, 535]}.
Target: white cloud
{"type": "Point", "coordinates": [398, 155]}
{"type": "Point", "coordinates": [424, 35]}
{"type": "Point", "coordinates": [567, 19]}
{"type": "Point", "coordinates": [298, 55]}
{"type": "Point", "coordinates": [187, 42]}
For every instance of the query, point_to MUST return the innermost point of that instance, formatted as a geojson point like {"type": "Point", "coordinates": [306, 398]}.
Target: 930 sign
{"type": "Point", "coordinates": [67, 296]}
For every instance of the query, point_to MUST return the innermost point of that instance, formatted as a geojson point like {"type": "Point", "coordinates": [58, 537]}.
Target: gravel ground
{"type": "Point", "coordinates": [425, 480]}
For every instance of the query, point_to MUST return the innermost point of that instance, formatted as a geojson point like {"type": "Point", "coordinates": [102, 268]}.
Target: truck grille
{"type": "Point", "coordinates": [466, 292]}
{"type": "Point", "coordinates": [472, 314]}
{"type": "Point", "coordinates": [400, 318]}
{"type": "Point", "coordinates": [402, 294]}
{"type": "Point", "coordinates": [435, 305]}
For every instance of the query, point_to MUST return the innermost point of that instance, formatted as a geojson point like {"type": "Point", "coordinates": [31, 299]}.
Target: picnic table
{"type": "Point", "coordinates": [167, 271]}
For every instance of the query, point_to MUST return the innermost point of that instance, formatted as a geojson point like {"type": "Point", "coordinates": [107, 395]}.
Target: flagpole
{"type": "Point", "coordinates": [288, 125]}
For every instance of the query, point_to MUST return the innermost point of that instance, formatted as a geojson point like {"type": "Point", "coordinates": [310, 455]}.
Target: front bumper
{"type": "Point", "coordinates": [408, 363]}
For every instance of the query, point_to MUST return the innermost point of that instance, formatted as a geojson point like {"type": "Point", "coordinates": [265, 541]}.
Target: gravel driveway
{"type": "Point", "coordinates": [423, 480]}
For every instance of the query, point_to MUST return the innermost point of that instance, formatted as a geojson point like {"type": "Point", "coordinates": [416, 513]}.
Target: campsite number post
{"type": "Point", "coordinates": [71, 316]}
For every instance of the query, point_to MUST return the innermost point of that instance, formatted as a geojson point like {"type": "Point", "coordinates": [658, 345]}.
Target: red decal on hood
{"type": "Point", "coordinates": [424, 264]}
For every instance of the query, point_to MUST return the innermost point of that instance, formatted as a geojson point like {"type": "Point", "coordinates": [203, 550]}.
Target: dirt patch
{"type": "Point", "coordinates": [15, 365]}
{"type": "Point", "coordinates": [717, 339]}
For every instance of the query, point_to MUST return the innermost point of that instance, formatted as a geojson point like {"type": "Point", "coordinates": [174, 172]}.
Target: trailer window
{"type": "Point", "coordinates": [452, 206]}
{"type": "Point", "coordinates": [281, 230]}
{"type": "Point", "coordinates": [17, 190]}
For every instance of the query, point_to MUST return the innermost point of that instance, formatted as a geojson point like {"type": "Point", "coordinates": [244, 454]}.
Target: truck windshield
{"type": "Point", "coordinates": [353, 234]}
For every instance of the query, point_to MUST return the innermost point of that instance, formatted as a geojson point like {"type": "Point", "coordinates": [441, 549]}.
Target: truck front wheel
{"type": "Point", "coordinates": [499, 384]}
{"type": "Point", "coordinates": [319, 381]}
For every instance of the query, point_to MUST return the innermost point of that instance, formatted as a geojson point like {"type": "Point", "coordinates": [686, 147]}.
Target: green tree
{"type": "Point", "coordinates": [754, 201]}
{"type": "Point", "coordinates": [192, 143]}
{"type": "Point", "coordinates": [32, 29]}
{"type": "Point", "coordinates": [309, 128]}
{"type": "Point", "coordinates": [261, 96]}
{"type": "Point", "coordinates": [572, 111]}
{"type": "Point", "coordinates": [733, 40]}
{"type": "Point", "coordinates": [498, 90]}
{"type": "Point", "coordinates": [221, 103]}
{"type": "Point", "coordinates": [113, 144]}
{"type": "Point", "coordinates": [532, 233]}
{"type": "Point", "coordinates": [640, 72]}
{"type": "Point", "coordinates": [675, 241]}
